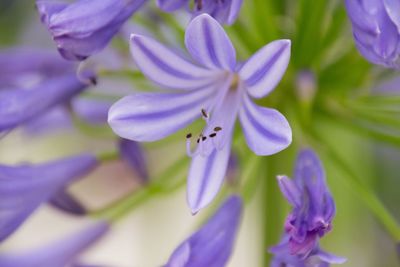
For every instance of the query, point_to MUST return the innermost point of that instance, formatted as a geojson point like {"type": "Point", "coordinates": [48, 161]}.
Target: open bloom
{"type": "Point", "coordinates": [217, 89]}
{"type": "Point", "coordinates": [59, 253]}
{"type": "Point", "coordinates": [85, 27]}
{"type": "Point", "coordinates": [212, 244]}
{"type": "Point", "coordinates": [376, 30]}
{"type": "Point", "coordinates": [23, 188]}
{"type": "Point", "coordinates": [312, 214]}
{"type": "Point", "coordinates": [225, 11]}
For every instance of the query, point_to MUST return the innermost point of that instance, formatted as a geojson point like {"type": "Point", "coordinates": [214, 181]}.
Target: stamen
{"type": "Point", "coordinates": [189, 135]}
{"type": "Point", "coordinates": [204, 113]}
{"type": "Point", "coordinates": [217, 129]}
{"type": "Point", "coordinates": [213, 135]}
{"type": "Point", "coordinates": [203, 138]}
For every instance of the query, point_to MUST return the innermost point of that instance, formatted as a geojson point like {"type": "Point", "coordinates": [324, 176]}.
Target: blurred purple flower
{"type": "Point", "coordinates": [212, 245]}
{"type": "Point", "coordinates": [18, 106]}
{"type": "Point", "coordinates": [312, 214]}
{"type": "Point", "coordinates": [64, 201]}
{"type": "Point", "coordinates": [376, 30]}
{"type": "Point", "coordinates": [133, 154]}
{"type": "Point", "coordinates": [23, 188]}
{"type": "Point", "coordinates": [225, 11]}
{"type": "Point", "coordinates": [217, 89]}
{"type": "Point", "coordinates": [59, 253]}
{"type": "Point", "coordinates": [85, 27]}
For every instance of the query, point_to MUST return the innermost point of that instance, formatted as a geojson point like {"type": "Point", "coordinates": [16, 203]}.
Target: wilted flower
{"type": "Point", "coordinates": [225, 11]}
{"type": "Point", "coordinates": [85, 27]}
{"type": "Point", "coordinates": [23, 188]}
{"type": "Point", "coordinates": [216, 89]}
{"type": "Point", "coordinates": [376, 30]}
{"type": "Point", "coordinates": [59, 253]}
{"type": "Point", "coordinates": [212, 244]}
{"type": "Point", "coordinates": [313, 210]}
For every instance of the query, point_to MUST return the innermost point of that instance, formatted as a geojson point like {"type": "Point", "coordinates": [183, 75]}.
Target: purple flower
{"type": "Point", "coordinates": [133, 154]}
{"type": "Point", "coordinates": [225, 11]}
{"type": "Point", "coordinates": [376, 30]}
{"type": "Point", "coordinates": [64, 201]}
{"type": "Point", "coordinates": [85, 27]}
{"type": "Point", "coordinates": [23, 188]}
{"type": "Point", "coordinates": [211, 245]}
{"type": "Point", "coordinates": [18, 106]}
{"type": "Point", "coordinates": [216, 89]}
{"type": "Point", "coordinates": [312, 214]}
{"type": "Point", "coordinates": [59, 253]}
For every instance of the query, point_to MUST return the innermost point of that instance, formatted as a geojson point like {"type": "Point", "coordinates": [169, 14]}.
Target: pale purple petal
{"type": "Point", "coordinates": [266, 130]}
{"type": "Point", "coordinates": [165, 67]}
{"type": "Point", "coordinates": [264, 70]}
{"type": "Point", "coordinates": [18, 106]}
{"type": "Point", "coordinates": [209, 45]}
{"type": "Point", "coordinates": [290, 190]}
{"type": "Point", "coordinates": [148, 117]}
{"type": "Point", "coordinates": [212, 245]}
{"type": "Point", "coordinates": [330, 258]}
{"type": "Point", "coordinates": [393, 10]}
{"type": "Point", "coordinates": [206, 176]}
{"type": "Point", "coordinates": [23, 188]}
{"type": "Point", "coordinates": [59, 253]}
{"type": "Point", "coordinates": [234, 11]}
{"type": "Point", "coordinates": [171, 5]}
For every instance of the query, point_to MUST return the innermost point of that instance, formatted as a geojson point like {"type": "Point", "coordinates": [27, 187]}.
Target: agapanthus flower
{"type": "Point", "coordinates": [24, 187]}
{"type": "Point", "coordinates": [85, 27]}
{"type": "Point", "coordinates": [19, 105]}
{"type": "Point", "coordinates": [225, 11]}
{"type": "Point", "coordinates": [311, 216]}
{"type": "Point", "coordinates": [58, 253]}
{"type": "Point", "coordinates": [132, 153]}
{"type": "Point", "coordinates": [376, 30]}
{"type": "Point", "coordinates": [212, 244]}
{"type": "Point", "coordinates": [218, 89]}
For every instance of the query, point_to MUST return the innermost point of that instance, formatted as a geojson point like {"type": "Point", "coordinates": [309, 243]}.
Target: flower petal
{"type": "Point", "coordinates": [19, 105]}
{"type": "Point", "coordinates": [64, 201]}
{"type": "Point", "coordinates": [206, 176]}
{"type": "Point", "coordinates": [23, 188]}
{"type": "Point", "coordinates": [393, 9]}
{"type": "Point", "coordinates": [267, 131]}
{"type": "Point", "coordinates": [263, 71]}
{"type": "Point", "coordinates": [212, 244]}
{"type": "Point", "coordinates": [209, 45]}
{"type": "Point", "coordinates": [133, 154]}
{"type": "Point", "coordinates": [330, 258]}
{"type": "Point", "coordinates": [164, 66]}
{"type": "Point", "coordinates": [146, 117]}
{"type": "Point", "coordinates": [171, 5]}
{"type": "Point", "coordinates": [290, 190]}
{"type": "Point", "coordinates": [58, 253]}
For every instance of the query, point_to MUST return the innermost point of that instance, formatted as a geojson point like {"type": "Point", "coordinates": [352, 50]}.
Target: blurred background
{"type": "Point", "coordinates": [150, 233]}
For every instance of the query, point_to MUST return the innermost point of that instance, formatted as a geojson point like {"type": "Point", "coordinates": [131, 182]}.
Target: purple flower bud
{"type": "Point", "coordinates": [313, 209]}
{"type": "Point", "coordinates": [376, 30]}
{"type": "Point", "coordinates": [85, 27]}
{"type": "Point", "coordinates": [23, 188]}
{"type": "Point", "coordinates": [212, 244]}
{"type": "Point", "coordinates": [18, 106]}
{"type": "Point", "coordinates": [59, 253]}
{"type": "Point", "coordinates": [133, 154]}
{"type": "Point", "coordinates": [225, 11]}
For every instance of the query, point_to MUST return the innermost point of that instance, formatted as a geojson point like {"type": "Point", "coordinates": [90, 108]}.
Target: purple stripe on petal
{"type": "Point", "coordinates": [266, 130]}
{"type": "Point", "coordinates": [209, 45]}
{"type": "Point", "coordinates": [152, 116]}
{"type": "Point", "coordinates": [23, 188]}
{"type": "Point", "coordinates": [263, 71]}
{"type": "Point", "coordinates": [206, 176]}
{"type": "Point", "coordinates": [59, 253]}
{"type": "Point", "coordinates": [165, 67]}
{"type": "Point", "coordinates": [171, 5]}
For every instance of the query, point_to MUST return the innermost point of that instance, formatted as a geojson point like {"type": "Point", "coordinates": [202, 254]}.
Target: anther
{"type": "Point", "coordinates": [203, 138]}
{"type": "Point", "coordinates": [204, 113]}
{"type": "Point", "coordinates": [189, 135]}
{"type": "Point", "coordinates": [217, 129]}
{"type": "Point", "coordinates": [213, 135]}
